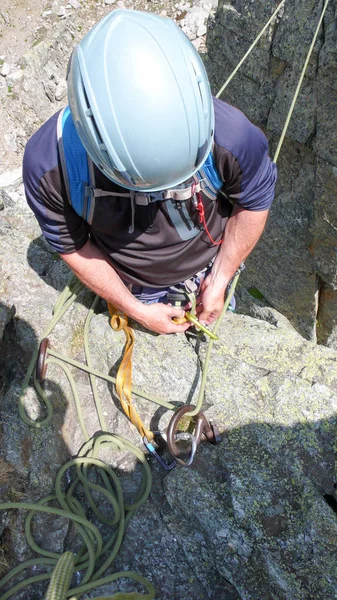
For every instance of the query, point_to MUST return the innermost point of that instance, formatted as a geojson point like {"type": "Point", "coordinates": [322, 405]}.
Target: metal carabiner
{"type": "Point", "coordinates": [150, 447]}
{"type": "Point", "coordinates": [184, 435]}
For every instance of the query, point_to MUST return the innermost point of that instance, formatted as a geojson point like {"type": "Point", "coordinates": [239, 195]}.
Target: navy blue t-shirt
{"type": "Point", "coordinates": [151, 253]}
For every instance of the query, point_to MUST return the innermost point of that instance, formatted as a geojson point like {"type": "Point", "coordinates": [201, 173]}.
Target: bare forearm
{"type": "Point", "coordinates": [93, 269]}
{"type": "Point", "coordinates": [243, 230]}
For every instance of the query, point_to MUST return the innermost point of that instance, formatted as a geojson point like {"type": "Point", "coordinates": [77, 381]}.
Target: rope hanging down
{"type": "Point", "coordinates": [299, 85]}
{"type": "Point", "coordinates": [93, 547]}
{"type": "Point", "coordinates": [240, 63]}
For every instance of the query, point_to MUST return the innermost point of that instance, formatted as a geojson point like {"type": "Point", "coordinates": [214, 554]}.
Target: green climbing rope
{"type": "Point", "coordinates": [61, 577]}
{"type": "Point", "coordinates": [96, 556]}
{"type": "Point", "coordinates": [251, 47]}
{"type": "Point", "coordinates": [277, 152]}
{"type": "Point", "coordinates": [299, 85]}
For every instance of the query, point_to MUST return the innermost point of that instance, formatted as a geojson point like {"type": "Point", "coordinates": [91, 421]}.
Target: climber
{"type": "Point", "coordinates": [167, 186]}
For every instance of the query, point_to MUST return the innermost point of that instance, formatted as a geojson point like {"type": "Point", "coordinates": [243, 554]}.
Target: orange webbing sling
{"type": "Point", "coordinates": [119, 322]}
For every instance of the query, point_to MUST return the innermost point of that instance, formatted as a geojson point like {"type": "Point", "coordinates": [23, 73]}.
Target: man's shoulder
{"type": "Point", "coordinates": [235, 133]}
{"type": "Point", "coordinates": [41, 152]}
{"type": "Point", "coordinates": [242, 157]}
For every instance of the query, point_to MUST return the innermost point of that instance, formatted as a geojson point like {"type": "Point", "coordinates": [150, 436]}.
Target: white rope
{"type": "Point", "coordinates": [250, 49]}
{"type": "Point", "coordinates": [291, 110]}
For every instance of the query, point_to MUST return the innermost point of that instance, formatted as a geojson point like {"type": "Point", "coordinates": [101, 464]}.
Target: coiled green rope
{"type": "Point", "coordinates": [96, 556]}
{"type": "Point", "coordinates": [61, 577]}
{"type": "Point", "coordinates": [94, 551]}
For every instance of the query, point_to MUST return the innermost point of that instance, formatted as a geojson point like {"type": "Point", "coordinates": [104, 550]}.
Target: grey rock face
{"type": "Point", "coordinates": [261, 500]}
{"type": "Point", "coordinates": [295, 263]}
{"type": "Point", "coordinates": [250, 519]}
{"type": "Point", "coordinates": [296, 259]}
{"type": "Point", "coordinates": [32, 85]}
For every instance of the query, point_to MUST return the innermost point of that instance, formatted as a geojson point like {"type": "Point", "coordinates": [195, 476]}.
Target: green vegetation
{"type": "Point", "coordinates": [255, 293]}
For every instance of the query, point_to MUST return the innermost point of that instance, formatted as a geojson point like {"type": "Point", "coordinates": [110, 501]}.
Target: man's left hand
{"type": "Point", "coordinates": [210, 301]}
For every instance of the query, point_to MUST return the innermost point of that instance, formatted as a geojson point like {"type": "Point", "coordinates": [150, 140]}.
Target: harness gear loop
{"type": "Point", "coordinates": [119, 322]}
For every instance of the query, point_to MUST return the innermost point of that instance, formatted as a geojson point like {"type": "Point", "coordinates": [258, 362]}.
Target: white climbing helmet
{"type": "Point", "coordinates": [141, 101]}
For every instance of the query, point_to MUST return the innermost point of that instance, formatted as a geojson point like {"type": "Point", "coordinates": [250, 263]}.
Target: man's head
{"type": "Point", "coordinates": [141, 101]}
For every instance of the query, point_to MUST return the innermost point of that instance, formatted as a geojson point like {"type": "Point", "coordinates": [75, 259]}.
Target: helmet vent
{"type": "Point", "coordinates": [203, 92]}
{"type": "Point", "coordinates": [89, 113]}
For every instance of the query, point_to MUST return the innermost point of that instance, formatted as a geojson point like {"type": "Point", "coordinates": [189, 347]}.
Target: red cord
{"type": "Point", "coordinates": [201, 211]}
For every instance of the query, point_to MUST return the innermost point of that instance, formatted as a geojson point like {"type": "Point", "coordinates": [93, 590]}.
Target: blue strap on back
{"type": "Point", "coordinates": [76, 162]}
{"type": "Point", "coordinates": [211, 175]}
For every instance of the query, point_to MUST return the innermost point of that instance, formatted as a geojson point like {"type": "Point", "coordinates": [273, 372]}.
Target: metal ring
{"type": "Point", "coordinates": [171, 430]}
{"type": "Point", "coordinates": [41, 365]}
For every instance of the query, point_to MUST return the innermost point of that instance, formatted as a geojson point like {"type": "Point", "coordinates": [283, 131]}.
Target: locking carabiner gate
{"type": "Point", "coordinates": [150, 447]}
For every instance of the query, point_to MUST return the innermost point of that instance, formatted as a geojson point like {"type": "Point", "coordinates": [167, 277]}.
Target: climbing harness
{"type": "Point", "coordinates": [47, 355]}
{"type": "Point", "coordinates": [97, 555]}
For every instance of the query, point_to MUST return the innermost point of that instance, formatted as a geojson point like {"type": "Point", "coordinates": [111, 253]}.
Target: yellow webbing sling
{"type": "Point", "coordinates": [119, 322]}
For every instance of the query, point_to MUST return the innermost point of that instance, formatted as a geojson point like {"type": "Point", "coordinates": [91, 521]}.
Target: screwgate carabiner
{"type": "Point", "coordinates": [152, 450]}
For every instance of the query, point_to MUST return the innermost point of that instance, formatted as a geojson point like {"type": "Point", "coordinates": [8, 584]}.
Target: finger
{"type": "Point", "coordinates": [199, 308]}
{"type": "Point", "coordinates": [206, 318]}
{"type": "Point", "coordinates": [176, 312]}
{"type": "Point", "coordinates": [212, 317]}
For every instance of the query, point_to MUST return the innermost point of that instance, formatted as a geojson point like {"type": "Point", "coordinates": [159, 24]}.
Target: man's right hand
{"type": "Point", "coordinates": [159, 318]}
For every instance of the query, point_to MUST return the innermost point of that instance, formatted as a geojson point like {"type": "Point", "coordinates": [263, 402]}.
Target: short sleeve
{"type": "Point", "coordinates": [62, 227]}
{"type": "Point", "coordinates": [242, 158]}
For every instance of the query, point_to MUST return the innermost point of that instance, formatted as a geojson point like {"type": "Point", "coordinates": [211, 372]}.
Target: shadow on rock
{"type": "Point", "coordinates": [53, 271]}
{"type": "Point", "coordinates": [17, 339]}
{"type": "Point", "coordinates": [254, 517]}
{"type": "Point", "coordinates": [30, 456]}
{"type": "Point", "coordinates": [48, 264]}
{"type": "Point", "coordinates": [264, 506]}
